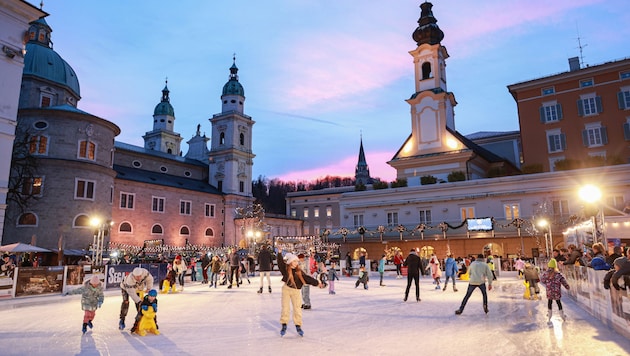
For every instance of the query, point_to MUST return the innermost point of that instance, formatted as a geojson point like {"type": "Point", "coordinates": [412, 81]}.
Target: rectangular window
{"type": "Point", "coordinates": [84, 189]}
{"type": "Point", "coordinates": [624, 75]}
{"type": "Point", "coordinates": [305, 214]}
{"type": "Point", "coordinates": [38, 145]}
{"type": "Point", "coordinates": [293, 213]}
{"type": "Point", "coordinates": [46, 101]}
{"type": "Point", "coordinates": [126, 200]}
{"type": "Point", "coordinates": [589, 106]}
{"type": "Point", "coordinates": [594, 135]}
{"type": "Point", "coordinates": [184, 207]}
{"type": "Point", "coordinates": [548, 91]}
{"type": "Point", "coordinates": [209, 210]}
{"type": "Point", "coordinates": [624, 99]}
{"type": "Point", "coordinates": [425, 217]}
{"type": "Point", "coordinates": [241, 186]}
{"type": "Point", "coordinates": [316, 212]}
{"type": "Point", "coordinates": [328, 211]}
{"type": "Point", "coordinates": [87, 150]}
{"type": "Point", "coordinates": [157, 205]}
{"type": "Point", "coordinates": [560, 207]}
{"type": "Point", "coordinates": [586, 83]}
{"type": "Point", "coordinates": [512, 211]}
{"type": "Point", "coordinates": [467, 213]}
{"type": "Point", "coordinates": [358, 220]}
{"type": "Point", "coordinates": [32, 186]}
{"type": "Point", "coordinates": [556, 142]}
{"type": "Point", "coordinates": [392, 219]}
{"type": "Point", "coordinates": [220, 185]}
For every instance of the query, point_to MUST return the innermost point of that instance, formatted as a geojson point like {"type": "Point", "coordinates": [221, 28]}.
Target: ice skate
{"type": "Point", "coordinates": [260, 290]}
{"type": "Point", "coordinates": [121, 324]}
{"type": "Point", "coordinates": [459, 311]}
{"type": "Point", "coordinates": [299, 330]}
{"type": "Point", "coordinates": [269, 289]}
{"type": "Point", "coordinates": [485, 308]}
{"type": "Point", "coordinates": [283, 330]}
{"type": "Point", "coordinates": [89, 324]}
{"type": "Point", "coordinates": [564, 318]}
{"type": "Point", "coordinates": [454, 289]}
{"type": "Point", "coordinates": [84, 329]}
{"type": "Point", "coordinates": [549, 315]}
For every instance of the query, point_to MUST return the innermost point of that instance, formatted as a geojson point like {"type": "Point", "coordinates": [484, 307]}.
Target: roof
{"type": "Point", "coordinates": [162, 179]}
{"type": "Point", "coordinates": [490, 134]}
{"type": "Point", "coordinates": [142, 150]}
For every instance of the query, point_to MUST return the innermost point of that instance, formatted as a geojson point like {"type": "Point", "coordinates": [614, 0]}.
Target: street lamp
{"type": "Point", "coordinates": [548, 241]}
{"type": "Point", "coordinates": [101, 229]}
{"type": "Point", "coordinates": [591, 194]}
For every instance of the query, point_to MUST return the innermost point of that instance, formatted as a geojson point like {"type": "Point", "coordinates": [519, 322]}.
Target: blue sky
{"type": "Point", "coordinates": [319, 74]}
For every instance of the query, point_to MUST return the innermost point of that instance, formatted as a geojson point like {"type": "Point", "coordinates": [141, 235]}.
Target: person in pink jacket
{"type": "Point", "coordinates": [436, 272]}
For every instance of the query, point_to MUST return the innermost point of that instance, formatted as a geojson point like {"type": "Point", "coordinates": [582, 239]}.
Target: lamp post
{"type": "Point", "coordinates": [591, 194]}
{"type": "Point", "coordinates": [101, 229]}
{"type": "Point", "coordinates": [548, 238]}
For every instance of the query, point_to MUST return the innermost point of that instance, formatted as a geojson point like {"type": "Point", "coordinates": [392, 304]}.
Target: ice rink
{"type": "Point", "coordinates": [238, 321]}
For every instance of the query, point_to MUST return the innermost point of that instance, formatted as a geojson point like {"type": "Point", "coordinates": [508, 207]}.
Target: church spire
{"type": "Point", "coordinates": [362, 171]}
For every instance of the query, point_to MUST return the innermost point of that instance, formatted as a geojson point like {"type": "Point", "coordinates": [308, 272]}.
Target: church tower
{"type": "Point", "coordinates": [231, 157]}
{"type": "Point", "coordinates": [362, 171]}
{"type": "Point", "coordinates": [163, 138]}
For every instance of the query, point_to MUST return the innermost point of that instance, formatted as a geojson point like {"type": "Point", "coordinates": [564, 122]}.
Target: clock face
{"type": "Point", "coordinates": [89, 130]}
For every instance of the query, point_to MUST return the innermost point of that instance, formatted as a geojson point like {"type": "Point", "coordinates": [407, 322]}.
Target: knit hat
{"type": "Point", "coordinates": [289, 257]}
{"type": "Point", "coordinates": [301, 255]}
{"type": "Point", "coordinates": [137, 271]}
{"type": "Point", "coordinates": [178, 257]}
{"type": "Point", "coordinates": [552, 263]}
{"type": "Point", "coordinates": [152, 293]}
{"type": "Point", "coordinates": [94, 280]}
{"type": "Point", "coordinates": [620, 261]}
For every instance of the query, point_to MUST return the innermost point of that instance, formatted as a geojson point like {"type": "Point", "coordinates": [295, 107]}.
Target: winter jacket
{"type": "Point", "coordinates": [553, 281]}
{"type": "Point", "coordinates": [205, 262]}
{"type": "Point", "coordinates": [130, 285]}
{"type": "Point", "coordinates": [623, 271]}
{"type": "Point", "coordinates": [598, 263]}
{"type": "Point", "coordinates": [381, 265]}
{"type": "Point", "coordinates": [412, 262]}
{"type": "Point", "coordinates": [450, 267]}
{"type": "Point", "coordinates": [215, 266]}
{"type": "Point", "coordinates": [235, 261]}
{"type": "Point", "coordinates": [479, 272]}
{"type": "Point", "coordinates": [574, 256]}
{"type": "Point", "coordinates": [265, 260]}
{"type": "Point", "coordinates": [332, 274]}
{"type": "Point", "coordinates": [91, 297]}
{"type": "Point", "coordinates": [180, 267]}
{"type": "Point", "coordinates": [434, 265]}
{"type": "Point", "coordinates": [530, 273]}
{"type": "Point", "coordinates": [282, 266]}
{"type": "Point", "coordinates": [364, 277]}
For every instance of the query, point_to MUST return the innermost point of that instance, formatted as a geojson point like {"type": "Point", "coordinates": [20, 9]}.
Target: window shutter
{"type": "Point", "coordinates": [541, 110]}
{"type": "Point", "coordinates": [559, 111]}
{"type": "Point", "coordinates": [580, 108]}
{"type": "Point", "coordinates": [598, 104]}
{"type": "Point", "coordinates": [563, 142]}
{"type": "Point", "coordinates": [604, 133]}
{"type": "Point", "coordinates": [621, 100]}
{"type": "Point", "coordinates": [585, 138]}
{"type": "Point", "coordinates": [552, 146]}
{"type": "Point", "coordinates": [626, 131]}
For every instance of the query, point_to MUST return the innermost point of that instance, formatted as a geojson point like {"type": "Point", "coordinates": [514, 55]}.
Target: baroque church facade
{"type": "Point", "coordinates": [70, 170]}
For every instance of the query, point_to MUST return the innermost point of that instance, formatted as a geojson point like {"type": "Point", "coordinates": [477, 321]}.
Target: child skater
{"type": "Point", "coordinates": [381, 268]}
{"type": "Point", "coordinates": [332, 275]}
{"type": "Point", "coordinates": [91, 299]}
{"type": "Point", "coordinates": [553, 280]}
{"type": "Point", "coordinates": [293, 279]}
{"type": "Point", "coordinates": [149, 301]}
{"type": "Point", "coordinates": [363, 278]}
{"type": "Point", "coordinates": [436, 272]}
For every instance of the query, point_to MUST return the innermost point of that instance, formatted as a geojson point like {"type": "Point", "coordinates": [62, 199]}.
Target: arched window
{"type": "Point", "coordinates": [125, 227]}
{"type": "Point", "coordinates": [27, 219]}
{"type": "Point", "coordinates": [426, 70]}
{"type": "Point", "coordinates": [157, 229]}
{"type": "Point", "coordinates": [222, 138]}
{"type": "Point", "coordinates": [242, 139]}
{"type": "Point", "coordinates": [184, 230]}
{"type": "Point", "coordinates": [81, 221]}
{"type": "Point", "coordinates": [209, 232]}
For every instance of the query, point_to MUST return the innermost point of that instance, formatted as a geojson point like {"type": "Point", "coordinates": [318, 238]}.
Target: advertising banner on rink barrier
{"type": "Point", "coordinates": [39, 280]}
{"type": "Point", "coordinates": [116, 273]}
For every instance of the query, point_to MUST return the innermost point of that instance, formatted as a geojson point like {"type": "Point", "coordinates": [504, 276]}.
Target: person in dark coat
{"type": "Point", "coordinates": [265, 264]}
{"type": "Point", "coordinates": [205, 264]}
{"type": "Point", "coordinates": [413, 264]}
{"type": "Point", "coordinates": [348, 264]}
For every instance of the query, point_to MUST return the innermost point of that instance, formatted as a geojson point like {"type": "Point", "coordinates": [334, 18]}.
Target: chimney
{"type": "Point", "coordinates": [574, 64]}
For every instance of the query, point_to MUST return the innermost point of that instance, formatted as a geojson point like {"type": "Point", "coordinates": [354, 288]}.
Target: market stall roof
{"type": "Point", "coordinates": [22, 247]}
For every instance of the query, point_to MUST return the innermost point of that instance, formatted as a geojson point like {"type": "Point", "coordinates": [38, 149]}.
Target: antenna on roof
{"type": "Point", "coordinates": [580, 46]}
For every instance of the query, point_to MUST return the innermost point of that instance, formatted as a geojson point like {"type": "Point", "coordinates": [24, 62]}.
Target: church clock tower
{"type": "Point", "coordinates": [231, 157]}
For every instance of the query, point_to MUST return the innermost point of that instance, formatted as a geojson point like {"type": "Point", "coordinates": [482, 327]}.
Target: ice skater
{"type": "Point", "coordinates": [413, 263]}
{"type": "Point", "coordinates": [294, 278]}
{"type": "Point", "coordinates": [91, 299]}
{"type": "Point", "coordinates": [332, 275]}
{"type": "Point", "coordinates": [139, 280]}
{"type": "Point", "coordinates": [265, 264]}
{"type": "Point", "coordinates": [553, 281]}
{"type": "Point", "coordinates": [436, 272]}
{"type": "Point", "coordinates": [450, 270]}
{"type": "Point", "coordinates": [381, 269]}
{"type": "Point", "coordinates": [364, 277]}
{"type": "Point", "coordinates": [479, 273]}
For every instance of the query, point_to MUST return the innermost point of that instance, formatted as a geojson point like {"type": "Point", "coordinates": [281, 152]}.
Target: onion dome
{"type": "Point", "coordinates": [233, 87]}
{"type": "Point", "coordinates": [164, 107]}
{"type": "Point", "coordinates": [428, 31]}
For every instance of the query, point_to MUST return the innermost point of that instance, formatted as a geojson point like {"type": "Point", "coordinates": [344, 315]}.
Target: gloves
{"type": "Point", "coordinates": [145, 307]}
{"type": "Point", "coordinates": [154, 305]}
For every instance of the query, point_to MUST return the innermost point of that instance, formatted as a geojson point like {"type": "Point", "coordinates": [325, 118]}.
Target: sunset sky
{"type": "Point", "coordinates": [320, 74]}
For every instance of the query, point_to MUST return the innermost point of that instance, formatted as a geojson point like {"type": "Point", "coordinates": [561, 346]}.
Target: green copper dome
{"type": "Point", "coordinates": [233, 87]}
{"type": "Point", "coordinates": [43, 62]}
{"type": "Point", "coordinates": [164, 107]}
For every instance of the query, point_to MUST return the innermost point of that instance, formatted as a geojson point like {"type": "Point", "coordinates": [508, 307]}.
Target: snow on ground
{"type": "Point", "coordinates": [208, 321]}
